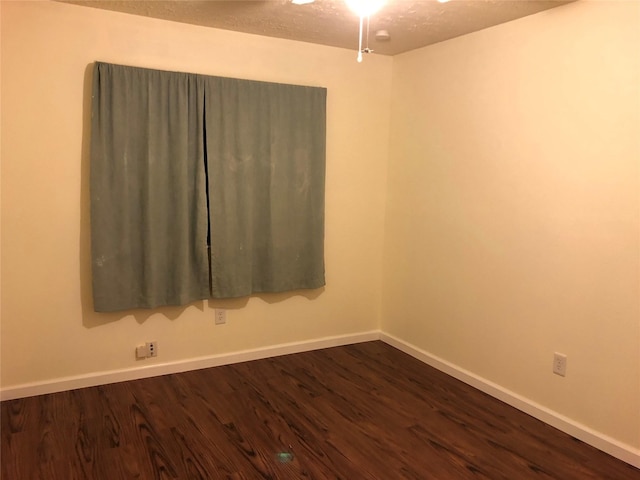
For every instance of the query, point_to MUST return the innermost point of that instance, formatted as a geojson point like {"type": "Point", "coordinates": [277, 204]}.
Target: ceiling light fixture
{"type": "Point", "coordinates": [364, 8]}
{"type": "Point", "coordinates": [301, 2]}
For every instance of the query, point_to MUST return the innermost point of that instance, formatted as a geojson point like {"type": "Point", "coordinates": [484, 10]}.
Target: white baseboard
{"type": "Point", "coordinates": [596, 439]}
{"type": "Point", "coordinates": [114, 376]}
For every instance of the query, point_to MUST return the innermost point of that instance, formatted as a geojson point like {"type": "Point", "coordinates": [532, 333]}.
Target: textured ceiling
{"type": "Point", "coordinates": [411, 23]}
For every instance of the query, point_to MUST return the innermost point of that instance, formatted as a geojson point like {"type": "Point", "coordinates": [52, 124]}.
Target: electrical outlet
{"type": "Point", "coordinates": [152, 349]}
{"type": "Point", "coordinates": [560, 364]}
{"type": "Point", "coordinates": [220, 316]}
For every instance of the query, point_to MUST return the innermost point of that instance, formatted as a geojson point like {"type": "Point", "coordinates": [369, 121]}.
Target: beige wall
{"type": "Point", "coordinates": [48, 327]}
{"type": "Point", "coordinates": [512, 224]}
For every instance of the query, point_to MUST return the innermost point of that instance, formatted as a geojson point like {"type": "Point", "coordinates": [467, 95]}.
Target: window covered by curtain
{"type": "Point", "coordinates": [182, 160]}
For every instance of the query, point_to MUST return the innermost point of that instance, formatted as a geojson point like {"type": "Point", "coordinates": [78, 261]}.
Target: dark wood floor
{"type": "Point", "coordinates": [364, 411]}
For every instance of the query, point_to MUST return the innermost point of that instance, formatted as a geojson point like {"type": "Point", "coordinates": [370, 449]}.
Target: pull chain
{"type": "Point", "coordinates": [366, 49]}
{"type": "Point", "coordinates": [360, 42]}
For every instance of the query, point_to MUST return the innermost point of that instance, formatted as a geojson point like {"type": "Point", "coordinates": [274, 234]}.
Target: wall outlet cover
{"type": "Point", "coordinates": [560, 364]}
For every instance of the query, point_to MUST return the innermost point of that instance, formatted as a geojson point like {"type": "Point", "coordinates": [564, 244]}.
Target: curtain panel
{"type": "Point", "coordinates": [203, 187]}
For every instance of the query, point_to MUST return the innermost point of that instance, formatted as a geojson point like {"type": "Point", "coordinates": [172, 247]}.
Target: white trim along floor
{"type": "Point", "coordinates": [596, 439]}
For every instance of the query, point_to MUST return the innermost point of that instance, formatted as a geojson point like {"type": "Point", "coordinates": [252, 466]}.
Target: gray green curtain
{"type": "Point", "coordinates": [183, 162]}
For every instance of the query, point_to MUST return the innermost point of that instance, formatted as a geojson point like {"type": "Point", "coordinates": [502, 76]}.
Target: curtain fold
{"type": "Point", "coordinates": [179, 160]}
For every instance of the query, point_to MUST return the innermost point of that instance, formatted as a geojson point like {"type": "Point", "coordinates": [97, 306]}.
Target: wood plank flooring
{"type": "Point", "coordinates": [365, 411]}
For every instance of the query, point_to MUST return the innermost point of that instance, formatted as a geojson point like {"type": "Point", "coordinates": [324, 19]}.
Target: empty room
{"type": "Point", "coordinates": [273, 240]}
